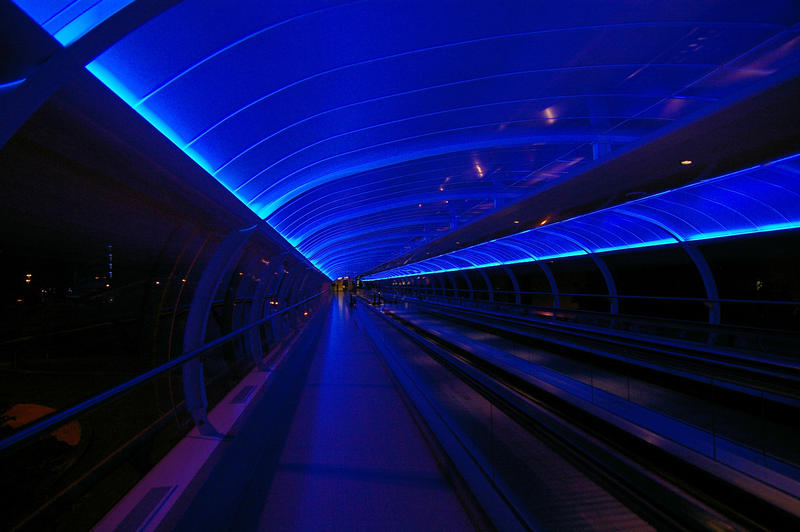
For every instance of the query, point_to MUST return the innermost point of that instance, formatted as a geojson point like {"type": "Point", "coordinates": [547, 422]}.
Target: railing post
{"type": "Point", "coordinates": [194, 335]}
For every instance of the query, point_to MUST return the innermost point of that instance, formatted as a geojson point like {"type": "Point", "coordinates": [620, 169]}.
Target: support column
{"type": "Point", "coordinates": [288, 294]}
{"type": "Point", "coordinates": [714, 311]}
{"type": "Point", "coordinates": [610, 284]}
{"type": "Point", "coordinates": [453, 282]}
{"type": "Point", "coordinates": [552, 280]}
{"type": "Point", "coordinates": [254, 343]}
{"type": "Point", "coordinates": [489, 286]}
{"type": "Point", "coordinates": [712, 293]}
{"type": "Point", "coordinates": [238, 316]}
{"type": "Point", "coordinates": [194, 335]}
{"type": "Point", "coordinates": [435, 282]}
{"type": "Point", "coordinates": [469, 284]}
{"type": "Point", "coordinates": [514, 283]}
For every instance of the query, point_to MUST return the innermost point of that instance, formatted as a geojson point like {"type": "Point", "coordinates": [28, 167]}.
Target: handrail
{"type": "Point", "coordinates": [635, 318]}
{"type": "Point", "coordinates": [100, 399]}
{"type": "Point", "coordinates": [622, 296]}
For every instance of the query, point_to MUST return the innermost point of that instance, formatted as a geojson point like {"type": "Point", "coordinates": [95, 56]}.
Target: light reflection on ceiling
{"type": "Point", "coordinates": [362, 130]}
{"type": "Point", "coordinates": [764, 198]}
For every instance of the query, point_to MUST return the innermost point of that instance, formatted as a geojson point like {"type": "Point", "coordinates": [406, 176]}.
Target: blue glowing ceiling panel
{"type": "Point", "coordinates": [758, 199]}
{"type": "Point", "coordinates": [362, 130]}
{"type": "Point", "coordinates": [547, 245]}
{"type": "Point", "coordinates": [497, 252]}
{"type": "Point", "coordinates": [608, 230]}
{"type": "Point", "coordinates": [69, 20]}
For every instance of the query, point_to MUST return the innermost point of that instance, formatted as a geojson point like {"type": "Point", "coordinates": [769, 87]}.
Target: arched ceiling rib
{"type": "Point", "coordinates": [338, 120]}
{"type": "Point", "coordinates": [763, 198]}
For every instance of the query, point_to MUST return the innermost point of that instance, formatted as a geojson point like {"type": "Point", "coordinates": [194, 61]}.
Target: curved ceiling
{"type": "Point", "coordinates": [362, 130]}
{"type": "Point", "coordinates": [759, 199]}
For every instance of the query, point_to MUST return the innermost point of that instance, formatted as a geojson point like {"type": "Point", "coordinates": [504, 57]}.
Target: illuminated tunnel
{"type": "Point", "coordinates": [552, 200]}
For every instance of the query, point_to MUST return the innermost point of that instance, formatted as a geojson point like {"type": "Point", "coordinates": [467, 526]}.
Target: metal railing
{"type": "Point", "coordinates": [691, 408]}
{"type": "Point", "coordinates": [730, 336]}
{"type": "Point", "coordinates": [438, 292]}
{"type": "Point", "coordinates": [59, 418]}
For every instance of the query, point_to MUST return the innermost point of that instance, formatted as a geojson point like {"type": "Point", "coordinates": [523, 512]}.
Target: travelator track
{"type": "Point", "coordinates": [665, 484]}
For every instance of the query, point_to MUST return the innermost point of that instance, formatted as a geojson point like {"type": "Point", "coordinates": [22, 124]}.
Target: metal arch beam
{"type": "Point", "coordinates": [367, 229]}
{"type": "Point", "coordinates": [297, 276]}
{"type": "Point", "coordinates": [438, 282]}
{"type": "Point", "coordinates": [284, 292]}
{"type": "Point", "coordinates": [610, 283]}
{"type": "Point", "coordinates": [422, 290]}
{"type": "Point", "coordinates": [360, 243]}
{"type": "Point", "coordinates": [423, 286]}
{"type": "Point", "coordinates": [291, 185]}
{"type": "Point", "coordinates": [514, 283]}
{"type": "Point", "coordinates": [469, 283]}
{"type": "Point", "coordinates": [488, 282]}
{"type": "Point", "coordinates": [433, 285]}
{"type": "Point", "coordinates": [244, 290]}
{"type": "Point", "coordinates": [302, 289]}
{"type": "Point", "coordinates": [552, 281]}
{"type": "Point", "coordinates": [284, 285]}
{"type": "Point", "coordinates": [275, 295]}
{"type": "Point", "coordinates": [452, 281]}
{"type": "Point", "coordinates": [194, 334]}
{"type": "Point", "coordinates": [338, 215]}
{"type": "Point", "coordinates": [19, 104]}
{"type": "Point", "coordinates": [257, 308]}
{"type": "Point", "coordinates": [611, 286]}
{"type": "Point", "coordinates": [410, 288]}
{"type": "Point", "coordinates": [712, 292]}
{"type": "Point", "coordinates": [306, 277]}
{"type": "Point", "coordinates": [335, 253]}
{"type": "Point", "coordinates": [275, 278]}
{"type": "Point", "coordinates": [699, 260]}
{"type": "Point", "coordinates": [291, 289]}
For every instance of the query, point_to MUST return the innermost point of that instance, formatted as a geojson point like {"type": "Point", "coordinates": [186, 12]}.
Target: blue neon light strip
{"type": "Point", "coordinates": [69, 20]}
{"type": "Point", "coordinates": [11, 84]}
{"type": "Point", "coordinates": [764, 198]}
{"type": "Point", "coordinates": [390, 135]}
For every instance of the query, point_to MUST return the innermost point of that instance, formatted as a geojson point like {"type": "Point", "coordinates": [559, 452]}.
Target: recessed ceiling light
{"type": "Point", "coordinates": [516, 221]}
{"type": "Point", "coordinates": [686, 162]}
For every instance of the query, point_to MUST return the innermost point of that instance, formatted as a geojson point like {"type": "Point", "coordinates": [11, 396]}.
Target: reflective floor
{"type": "Point", "coordinates": [337, 449]}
